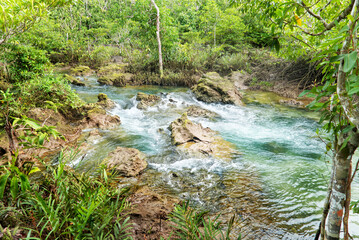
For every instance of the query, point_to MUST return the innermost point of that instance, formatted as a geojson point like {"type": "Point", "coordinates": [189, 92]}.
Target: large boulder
{"type": "Point", "coordinates": [212, 88]}
{"type": "Point", "coordinates": [97, 118]}
{"type": "Point", "coordinates": [196, 111]}
{"type": "Point", "coordinates": [146, 100]}
{"type": "Point", "coordinates": [128, 162]}
{"type": "Point", "coordinates": [199, 141]}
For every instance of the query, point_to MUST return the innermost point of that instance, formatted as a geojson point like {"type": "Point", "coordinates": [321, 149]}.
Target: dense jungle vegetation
{"type": "Point", "coordinates": [39, 39]}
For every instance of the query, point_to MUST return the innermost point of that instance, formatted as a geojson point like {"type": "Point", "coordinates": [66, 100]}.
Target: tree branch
{"type": "Point", "coordinates": [327, 26]}
{"type": "Point", "coordinates": [314, 15]}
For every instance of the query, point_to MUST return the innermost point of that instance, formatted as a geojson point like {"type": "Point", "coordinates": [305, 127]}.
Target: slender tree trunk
{"type": "Point", "coordinates": [326, 206]}
{"type": "Point", "coordinates": [158, 38]}
{"type": "Point", "coordinates": [341, 176]}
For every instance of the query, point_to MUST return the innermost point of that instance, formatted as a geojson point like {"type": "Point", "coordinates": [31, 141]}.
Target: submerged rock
{"type": "Point", "coordinates": [196, 140]}
{"type": "Point", "coordinates": [146, 100]}
{"type": "Point", "coordinates": [128, 162]}
{"type": "Point", "coordinates": [196, 111]}
{"type": "Point", "coordinates": [213, 88]}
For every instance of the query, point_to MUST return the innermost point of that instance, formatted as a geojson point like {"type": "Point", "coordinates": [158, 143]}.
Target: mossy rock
{"type": "Point", "coordinates": [81, 71]}
{"type": "Point", "coordinates": [112, 68]}
{"type": "Point", "coordinates": [115, 79]}
{"type": "Point", "coordinates": [196, 140]}
{"type": "Point", "coordinates": [96, 110]}
{"type": "Point", "coordinates": [212, 88]}
{"type": "Point", "coordinates": [146, 100]}
{"type": "Point", "coordinates": [74, 81]}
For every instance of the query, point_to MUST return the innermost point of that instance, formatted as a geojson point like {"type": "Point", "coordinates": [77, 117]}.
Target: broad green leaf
{"type": "Point", "coordinates": [336, 58]}
{"type": "Point", "coordinates": [349, 61]}
{"type": "Point", "coordinates": [14, 188]}
{"type": "Point", "coordinates": [25, 184]}
{"type": "Point", "coordinates": [3, 181]}
{"type": "Point", "coordinates": [353, 90]}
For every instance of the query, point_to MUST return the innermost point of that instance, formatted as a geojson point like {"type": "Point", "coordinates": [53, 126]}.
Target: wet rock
{"type": "Point", "coordinates": [96, 118]}
{"type": "Point", "coordinates": [128, 162]}
{"type": "Point", "coordinates": [213, 88]}
{"type": "Point", "coordinates": [196, 140]}
{"type": "Point", "coordinates": [146, 100]}
{"type": "Point", "coordinates": [81, 71]}
{"type": "Point", "coordinates": [74, 81]}
{"type": "Point", "coordinates": [105, 102]}
{"type": "Point", "coordinates": [196, 111]}
{"type": "Point", "coordinates": [150, 210]}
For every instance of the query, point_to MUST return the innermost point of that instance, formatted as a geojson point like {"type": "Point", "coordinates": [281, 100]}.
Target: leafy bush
{"type": "Point", "coordinates": [23, 62]}
{"type": "Point", "coordinates": [39, 92]}
{"type": "Point", "coordinates": [101, 55]}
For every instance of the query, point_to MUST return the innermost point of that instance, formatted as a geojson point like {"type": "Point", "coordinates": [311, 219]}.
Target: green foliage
{"type": "Point", "coordinates": [23, 62]}
{"type": "Point", "coordinates": [193, 225]}
{"type": "Point", "coordinates": [65, 205]}
{"type": "Point", "coordinates": [17, 16]}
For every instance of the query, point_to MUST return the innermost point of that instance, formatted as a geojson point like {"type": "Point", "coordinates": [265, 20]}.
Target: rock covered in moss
{"type": "Point", "coordinates": [146, 100]}
{"type": "Point", "coordinates": [115, 79]}
{"type": "Point", "coordinates": [74, 81]}
{"type": "Point", "coordinates": [212, 88]}
{"type": "Point", "coordinates": [105, 102]}
{"type": "Point", "coordinates": [128, 162]}
{"type": "Point", "coordinates": [196, 140]}
{"type": "Point", "coordinates": [81, 71]}
{"type": "Point", "coordinates": [111, 68]}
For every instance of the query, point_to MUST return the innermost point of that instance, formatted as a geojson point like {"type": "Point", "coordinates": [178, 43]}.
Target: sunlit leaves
{"type": "Point", "coordinates": [17, 15]}
{"type": "Point", "coordinates": [349, 61]}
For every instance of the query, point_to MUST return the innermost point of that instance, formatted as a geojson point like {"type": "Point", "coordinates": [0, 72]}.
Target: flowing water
{"type": "Point", "coordinates": [276, 185]}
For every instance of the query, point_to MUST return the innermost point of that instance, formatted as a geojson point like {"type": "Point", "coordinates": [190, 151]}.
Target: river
{"type": "Point", "coordinates": [276, 185]}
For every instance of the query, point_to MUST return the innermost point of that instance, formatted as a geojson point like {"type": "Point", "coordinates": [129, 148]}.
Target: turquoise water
{"type": "Point", "coordinates": [276, 185]}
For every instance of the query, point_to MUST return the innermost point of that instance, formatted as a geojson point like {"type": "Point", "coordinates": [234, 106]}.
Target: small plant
{"type": "Point", "coordinates": [191, 224]}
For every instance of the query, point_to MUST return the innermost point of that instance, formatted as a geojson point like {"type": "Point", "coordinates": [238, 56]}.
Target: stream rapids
{"type": "Point", "coordinates": [277, 184]}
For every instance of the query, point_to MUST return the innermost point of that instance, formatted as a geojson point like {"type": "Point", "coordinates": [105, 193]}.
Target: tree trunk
{"type": "Point", "coordinates": [158, 38]}
{"type": "Point", "coordinates": [341, 175]}
{"type": "Point", "coordinates": [326, 206]}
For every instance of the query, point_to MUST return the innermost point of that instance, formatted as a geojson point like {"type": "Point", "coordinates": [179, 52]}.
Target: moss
{"type": "Point", "coordinates": [111, 68]}
{"type": "Point", "coordinates": [81, 71]}
{"type": "Point", "coordinates": [96, 110]}
{"type": "Point", "coordinates": [102, 97]}
{"type": "Point", "coordinates": [116, 79]}
{"type": "Point", "coordinates": [74, 81]}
